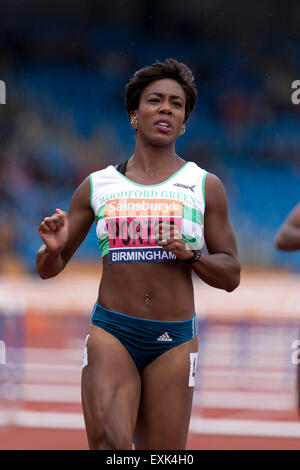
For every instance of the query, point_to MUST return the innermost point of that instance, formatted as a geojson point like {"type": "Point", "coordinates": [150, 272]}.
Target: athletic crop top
{"type": "Point", "coordinates": [127, 213]}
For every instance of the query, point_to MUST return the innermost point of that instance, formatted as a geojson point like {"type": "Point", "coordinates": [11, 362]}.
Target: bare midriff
{"type": "Point", "coordinates": [156, 291]}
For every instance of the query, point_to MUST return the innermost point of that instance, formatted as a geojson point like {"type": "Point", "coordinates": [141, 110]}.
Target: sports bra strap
{"type": "Point", "coordinates": [122, 167]}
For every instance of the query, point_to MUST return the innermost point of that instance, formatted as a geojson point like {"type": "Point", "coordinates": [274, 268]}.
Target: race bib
{"type": "Point", "coordinates": [132, 227]}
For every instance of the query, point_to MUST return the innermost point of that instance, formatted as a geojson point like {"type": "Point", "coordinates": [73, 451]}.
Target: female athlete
{"type": "Point", "coordinates": [152, 215]}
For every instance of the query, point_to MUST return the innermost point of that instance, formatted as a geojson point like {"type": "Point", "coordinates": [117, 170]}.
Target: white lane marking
{"type": "Point", "coordinates": [244, 400]}
{"type": "Point", "coordinates": [52, 393]}
{"type": "Point", "coordinates": [205, 399]}
{"type": "Point", "coordinates": [55, 367]}
{"type": "Point", "coordinates": [235, 427]}
{"type": "Point", "coordinates": [45, 419]}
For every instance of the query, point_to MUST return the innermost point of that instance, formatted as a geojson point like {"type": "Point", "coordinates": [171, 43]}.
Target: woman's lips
{"type": "Point", "coordinates": [165, 128]}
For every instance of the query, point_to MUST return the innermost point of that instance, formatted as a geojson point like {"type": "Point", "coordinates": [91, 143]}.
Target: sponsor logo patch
{"type": "Point", "coordinates": [165, 337]}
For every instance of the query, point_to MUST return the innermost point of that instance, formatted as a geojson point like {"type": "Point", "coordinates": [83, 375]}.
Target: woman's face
{"type": "Point", "coordinates": [161, 112]}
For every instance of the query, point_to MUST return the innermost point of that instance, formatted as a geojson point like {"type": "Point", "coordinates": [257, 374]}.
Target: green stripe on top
{"type": "Point", "coordinates": [100, 213]}
{"type": "Point", "coordinates": [189, 239]}
{"type": "Point", "coordinates": [192, 214]}
{"type": "Point", "coordinates": [103, 241]}
{"type": "Point", "coordinates": [91, 191]}
{"type": "Point", "coordinates": [192, 242]}
{"type": "Point", "coordinates": [203, 186]}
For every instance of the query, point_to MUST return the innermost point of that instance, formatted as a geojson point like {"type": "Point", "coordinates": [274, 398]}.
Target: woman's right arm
{"type": "Point", "coordinates": [63, 233]}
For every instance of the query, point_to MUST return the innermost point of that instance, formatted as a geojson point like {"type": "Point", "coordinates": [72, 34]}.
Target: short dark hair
{"type": "Point", "coordinates": [170, 68]}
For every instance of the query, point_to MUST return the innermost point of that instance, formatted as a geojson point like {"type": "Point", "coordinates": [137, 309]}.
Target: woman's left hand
{"type": "Point", "coordinates": [170, 238]}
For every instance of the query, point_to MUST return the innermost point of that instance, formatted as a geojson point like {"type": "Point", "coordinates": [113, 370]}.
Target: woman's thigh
{"type": "Point", "coordinates": [111, 388]}
{"type": "Point", "coordinates": [166, 401]}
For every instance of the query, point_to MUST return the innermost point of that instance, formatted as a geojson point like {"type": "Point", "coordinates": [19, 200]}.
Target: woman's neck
{"type": "Point", "coordinates": [153, 160]}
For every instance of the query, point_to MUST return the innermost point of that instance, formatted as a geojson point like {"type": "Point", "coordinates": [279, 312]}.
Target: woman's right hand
{"type": "Point", "coordinates": [54, 231]}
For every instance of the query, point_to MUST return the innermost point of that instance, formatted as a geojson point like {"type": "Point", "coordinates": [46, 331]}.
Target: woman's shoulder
{"type": "Point", "coordinates": [194, 172]}
{"type": "Point", "coordinates": [215, 192]}
{"type": "Point", "coordinates": [103, 170]}
{"type": "Point", "coordinates": [102, 175]}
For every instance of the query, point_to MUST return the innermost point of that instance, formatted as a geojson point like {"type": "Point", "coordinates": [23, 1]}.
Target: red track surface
{"type": "Point", "coordinates": [13, 438]}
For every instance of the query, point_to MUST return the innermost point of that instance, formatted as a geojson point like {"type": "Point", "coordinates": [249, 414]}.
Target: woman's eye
{"type": "Point", "coordinates": [157, 100]}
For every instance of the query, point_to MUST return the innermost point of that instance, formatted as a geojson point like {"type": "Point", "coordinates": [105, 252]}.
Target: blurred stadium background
{"type": "Point", "coordinates": [65, 65]}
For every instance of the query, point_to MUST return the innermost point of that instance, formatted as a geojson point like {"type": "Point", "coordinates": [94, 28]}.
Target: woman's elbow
{"type": "Point", "coordinates": [235, 278]}
{"type": "Point", "coordinates": [279, 242]}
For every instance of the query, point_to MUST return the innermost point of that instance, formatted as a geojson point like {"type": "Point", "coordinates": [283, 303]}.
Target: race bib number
{"type": "Point", "coordinates": [132, 226]}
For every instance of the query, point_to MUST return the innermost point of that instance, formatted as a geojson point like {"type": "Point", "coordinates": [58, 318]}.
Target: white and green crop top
{"type": "Point", "coordinates": [127, 213]}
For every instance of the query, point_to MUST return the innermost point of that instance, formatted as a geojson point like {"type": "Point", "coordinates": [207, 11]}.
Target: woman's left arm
{"type": "Point", "coordinates": [288, 235]}
{"type": "Point", "coordinates": [221, 267]}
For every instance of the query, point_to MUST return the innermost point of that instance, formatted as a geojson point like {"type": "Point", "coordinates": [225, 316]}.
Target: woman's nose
{"type": "Point", "coordinates": [165, 107]}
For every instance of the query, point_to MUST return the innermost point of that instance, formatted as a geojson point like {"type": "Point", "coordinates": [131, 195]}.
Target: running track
{"type": "Point", "coordinates": [245, 388]}
{"type": "Point", "coordinates": [243, 399]}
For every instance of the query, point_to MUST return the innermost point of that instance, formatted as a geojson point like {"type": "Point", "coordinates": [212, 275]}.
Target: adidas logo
{"type": "Point", "coordinates": [164, 337]}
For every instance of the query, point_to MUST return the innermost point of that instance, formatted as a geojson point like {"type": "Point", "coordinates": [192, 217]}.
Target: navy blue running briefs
{"type": "Point", "coordinates": [144, 339]}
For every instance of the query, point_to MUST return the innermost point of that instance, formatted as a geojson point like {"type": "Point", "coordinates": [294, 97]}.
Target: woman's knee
{"type": "Point", "coordinates": [108, 440]}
